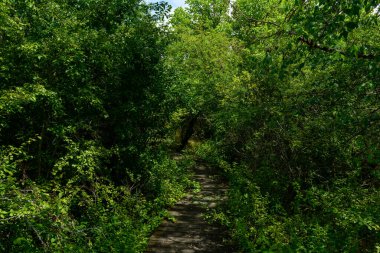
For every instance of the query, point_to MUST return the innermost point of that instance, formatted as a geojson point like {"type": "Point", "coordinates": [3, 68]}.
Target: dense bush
{"type": "Point", "coordinates": [294, 120]}
{"type": "Point", "coordinates": [282, 96]}
{"type": "Point", "coordinates": [80, 167]}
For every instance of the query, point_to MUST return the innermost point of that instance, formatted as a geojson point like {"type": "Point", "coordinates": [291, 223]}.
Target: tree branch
{"type": "Point", "coordinates": [313, 44]}
{"type": "Point", "coordinates": [257, 21]}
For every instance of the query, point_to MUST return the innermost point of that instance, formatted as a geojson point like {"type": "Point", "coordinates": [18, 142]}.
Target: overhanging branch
{"type": "Point", "coordinates": [313, 44]}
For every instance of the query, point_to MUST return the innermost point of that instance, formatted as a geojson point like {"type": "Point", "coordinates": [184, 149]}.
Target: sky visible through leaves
{"type": "Point", "coordinates": [174, 3]}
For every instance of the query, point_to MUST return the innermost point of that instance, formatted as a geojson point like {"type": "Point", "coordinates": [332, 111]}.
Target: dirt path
{"type": "Point", "coordinates": [189, 232]}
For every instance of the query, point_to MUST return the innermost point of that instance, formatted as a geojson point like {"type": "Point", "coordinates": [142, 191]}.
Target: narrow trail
{"type": "Point", "coordinates": [189, 231]}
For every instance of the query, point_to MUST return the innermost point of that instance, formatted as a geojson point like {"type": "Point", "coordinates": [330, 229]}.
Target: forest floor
{"type": "Point", "coordinates": [187, 230]}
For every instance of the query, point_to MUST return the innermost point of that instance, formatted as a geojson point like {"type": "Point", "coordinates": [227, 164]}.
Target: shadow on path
{"type": "Point", "coordinates": [189, 232]}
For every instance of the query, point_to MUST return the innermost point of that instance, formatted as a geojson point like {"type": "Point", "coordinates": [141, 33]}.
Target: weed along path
{"type": "Point", "coordinates": [188, 231]}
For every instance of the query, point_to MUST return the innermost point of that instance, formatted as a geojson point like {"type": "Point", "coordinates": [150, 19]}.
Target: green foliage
{"type": "Point", "coordinates": [79, 88]}
{"type": "Point", "coordinates": [168, 179]}
{"type": "Point", "coordinates": [294, 120]}
{"type": "Point", "coordinates": [203, 65]}
{"type": "Point", "coordinates": [282, 96]}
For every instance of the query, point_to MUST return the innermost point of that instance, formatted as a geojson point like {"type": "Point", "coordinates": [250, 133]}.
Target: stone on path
{"type": "Point", "coordinates": [189, 232]}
